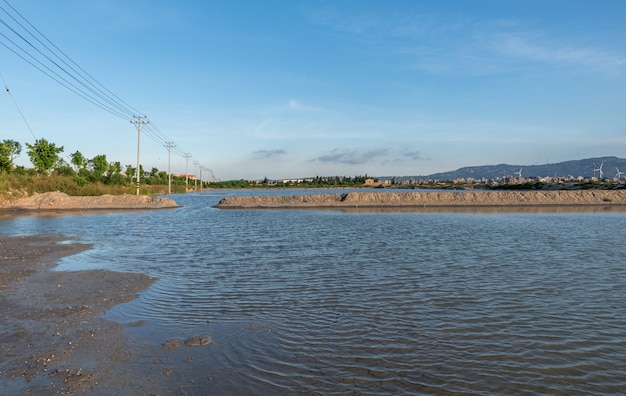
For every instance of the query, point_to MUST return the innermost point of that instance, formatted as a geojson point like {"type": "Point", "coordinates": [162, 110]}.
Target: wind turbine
{"type": "Point", "coordinates": [600, 169]}
{"type": "Point", "coordinates": [594, 169]}
{"type": "Point", "coordinates": [619, 174]}
{"type": "Point", "coordinates": [519, 173]}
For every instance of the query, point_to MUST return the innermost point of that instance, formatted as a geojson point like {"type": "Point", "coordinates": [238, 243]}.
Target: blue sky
{"type": "Point", "coordinates": [289, 89]}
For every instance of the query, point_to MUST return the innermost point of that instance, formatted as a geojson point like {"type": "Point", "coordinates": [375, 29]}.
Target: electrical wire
{"type": "Point", "coordinates": [42, 54]}
{"type": "Point", "coordinates": [90, 77]}
{"type": "Point", "coordinates": [85, 87]}
{"type": "Point", "coordinates": [60, 79]}
{"type": "Point", "coordinates": [17, 107]}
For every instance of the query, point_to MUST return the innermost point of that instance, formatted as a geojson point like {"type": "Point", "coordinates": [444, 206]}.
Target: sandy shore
{"type": "Point", "coordinates": [383, 199]}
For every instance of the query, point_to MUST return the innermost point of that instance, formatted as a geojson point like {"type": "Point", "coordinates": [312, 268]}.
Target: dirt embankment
{"type": "Point", "coordinates": [55, 201]}
{"type": "Point", "coordinates": [430, 199]}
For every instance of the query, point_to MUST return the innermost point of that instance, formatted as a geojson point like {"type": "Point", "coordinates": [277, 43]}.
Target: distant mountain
{"type": "Point", "coordinates": [583, 167]}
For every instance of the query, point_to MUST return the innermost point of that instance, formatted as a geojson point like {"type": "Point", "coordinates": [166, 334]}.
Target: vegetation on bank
{"type": "Point", "coordinates": [98, 176]}
{"type": "Point", "coordinates": [83, 176]}
{"type": "Point", "coordinates": [22, 182]}
{"type": "Point", "coordinates": [80, 177]}
{"type": "Point", "coordinates": [25, 183]}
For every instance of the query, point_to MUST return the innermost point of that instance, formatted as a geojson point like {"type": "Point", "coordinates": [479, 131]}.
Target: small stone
{"type": "Point", "coordinates": [198, 341]}
{"type": "Point", "coordinates": [172, 343]}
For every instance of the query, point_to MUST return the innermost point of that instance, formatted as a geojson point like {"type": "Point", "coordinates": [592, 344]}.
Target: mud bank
{"type": "Point", "coordinates": [57, 201]}
{"type": "Point", "coordinates": [430, 199]}
{"type": "Point", "coordinates": [54, 339]}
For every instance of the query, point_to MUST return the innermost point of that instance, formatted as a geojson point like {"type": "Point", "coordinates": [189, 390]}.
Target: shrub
{"type": "Point", "coordinates": [116, 178]}
{"type": "Point", "coordinates": [66, 170]}
{"type": "Point", "coordinates": [79, 180]}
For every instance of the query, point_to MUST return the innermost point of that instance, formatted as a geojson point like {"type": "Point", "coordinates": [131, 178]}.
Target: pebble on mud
{"type": "Point", "coordinates": [172, 343]}
{"type": "Point", "coordinates": [175, 343]}
{"type": "Point", "coordinates": [198, 341]}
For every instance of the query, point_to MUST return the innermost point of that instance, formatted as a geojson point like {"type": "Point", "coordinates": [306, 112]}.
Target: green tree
{"type": "Point", "coordinates": [99, 165]}
{"type": "Point", "coordinates": [130, 172]}
{"type": "Point", "coordinates": [115, 168]}
{"type": "Point", "coordinates": [114, 174]}
{"type": "Point", "coordinates": [78, 160]}
{"type": "Point", "coordinates": [44, 155]}
{"type": "Point", "coordinates": [9, 150]}
{"type": "Point", "coordinates": [64, 169]}
{"type": "Point", "coordinates": [5, 158]}
{"type": "Point", "coordinates": [15, 149]}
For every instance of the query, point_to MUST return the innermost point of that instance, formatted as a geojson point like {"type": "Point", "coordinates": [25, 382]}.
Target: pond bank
{"type": "Point", "coordinates": [430, 199]}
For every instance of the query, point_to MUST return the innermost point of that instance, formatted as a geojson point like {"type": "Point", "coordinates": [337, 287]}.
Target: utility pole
{"type": "Point", "coordinates": [195, 173]}
{"type": "Point", "coordinates": [200, 180]}
{"type": "Point", "coordinates": [170, 146]}
{"type": "Point", "coordinates": [187, 156]}
{"type": "Point", "coordinates": [139, 122]}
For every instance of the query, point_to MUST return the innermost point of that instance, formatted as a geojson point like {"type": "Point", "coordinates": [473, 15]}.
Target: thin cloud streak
{"type": "Point", "coordinates": [269, 153]}
{"type": "Point", "coordinates": [527, 47]}
{"type": "Point", "coordinates": [352, 157]}
{"type": "Point", "coordinates": [468, 45]}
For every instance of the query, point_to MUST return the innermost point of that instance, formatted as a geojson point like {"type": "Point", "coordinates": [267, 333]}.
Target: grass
{"type": "Point", "coordinates": [13, 186]}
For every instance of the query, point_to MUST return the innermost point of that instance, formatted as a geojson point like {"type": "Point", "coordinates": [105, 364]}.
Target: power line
{"type": "Point", "coordinates": [28, 43]}
{"type": "Point", "coordinates": [71, 60]}
{"type": "Point", "coordinates": [17, 107]}
{"type": "Point", "coordinates": [59, 79]}
{"type": "Point", "coordinates": [88, 88]}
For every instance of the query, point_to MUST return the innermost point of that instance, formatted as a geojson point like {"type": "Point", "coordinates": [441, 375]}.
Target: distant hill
{"type": "Point", "coordinates": [583, 167]}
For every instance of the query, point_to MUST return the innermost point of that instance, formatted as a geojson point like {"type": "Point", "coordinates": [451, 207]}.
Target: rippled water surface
{"type": "Point", "coordinates": [332, 302]}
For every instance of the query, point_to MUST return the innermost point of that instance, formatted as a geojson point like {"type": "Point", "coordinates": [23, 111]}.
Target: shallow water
{"type": "Point", "coordinates": [333, 302]}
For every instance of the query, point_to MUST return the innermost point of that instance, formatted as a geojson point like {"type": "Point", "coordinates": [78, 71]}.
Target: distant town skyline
{"type": "Point", "coordinates": [297, 89]}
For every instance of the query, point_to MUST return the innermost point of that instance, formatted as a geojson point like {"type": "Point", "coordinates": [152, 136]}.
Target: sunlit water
{"type": "Point", "coordinates": [332, 302]}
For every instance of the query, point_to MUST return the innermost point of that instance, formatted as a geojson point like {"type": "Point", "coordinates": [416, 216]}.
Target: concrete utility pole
{"type": "Point", "coordinates": [195, 173]}
{"type": "Point", "coordinates": [138, 123]}
{"type": "Point", "coordinates": [187, 156]}
{"type": "Point", "coordinates": [200, 180]}
{"type": "Point", "coordinates": [170, 146]}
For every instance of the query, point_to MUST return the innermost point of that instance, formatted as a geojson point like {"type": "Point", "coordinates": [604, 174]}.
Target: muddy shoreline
{"type": "Point", "coordinates": [56, 339]}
